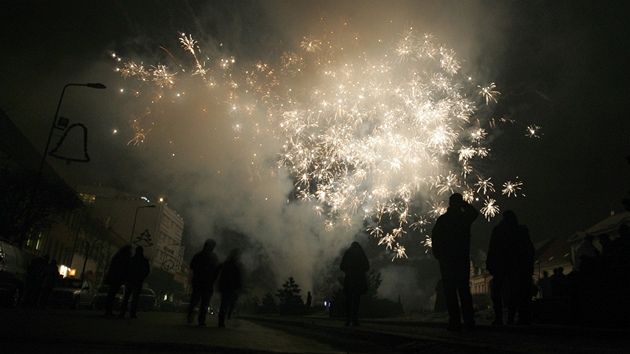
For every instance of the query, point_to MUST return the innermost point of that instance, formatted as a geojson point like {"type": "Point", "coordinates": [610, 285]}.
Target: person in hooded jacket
{"type": "Point", "coordinates": [354, 264]}
{"type": "Point", "coordinates": [205, 268]}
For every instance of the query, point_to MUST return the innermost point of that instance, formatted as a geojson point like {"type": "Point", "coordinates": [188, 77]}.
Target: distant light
{"type": "Point", "coordinates": [66, 271]}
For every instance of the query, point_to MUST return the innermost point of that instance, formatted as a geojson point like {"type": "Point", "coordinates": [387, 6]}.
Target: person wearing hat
{"type": "Point", "coordinates": [451, 247]}
{"type": "Point", "coordinates": [205, 268]}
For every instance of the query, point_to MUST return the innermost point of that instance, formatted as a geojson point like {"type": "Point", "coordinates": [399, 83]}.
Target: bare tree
{"type": "Point", "coordinates": [24, 211]}
{"type": "Point", "coordinates": [93, 235]}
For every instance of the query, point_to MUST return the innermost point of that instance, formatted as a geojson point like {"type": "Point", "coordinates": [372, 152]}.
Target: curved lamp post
{"type": "Point", "coordinates": [54, 123]}
{"type": "Point", "coordinates": [133, 228]}
{"type": "Point", "coordinates": [38, 177]}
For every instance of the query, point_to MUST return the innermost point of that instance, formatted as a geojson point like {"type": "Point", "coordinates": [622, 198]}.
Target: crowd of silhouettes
{"type": "Point", "coordinates": [617, 252]}
{"type": "Point", "coordinates": [207, 270]}
{"type": "Point", "coordinates": [130, 272]}
{"type": "Point", "coordinates": [510, 261]}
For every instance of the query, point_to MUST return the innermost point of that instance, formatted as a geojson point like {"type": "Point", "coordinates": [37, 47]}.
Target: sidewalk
{"type": "Point", "coordinates": [23, 329]}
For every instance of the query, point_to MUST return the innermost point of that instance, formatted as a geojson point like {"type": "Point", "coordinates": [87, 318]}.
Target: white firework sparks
{"type": "Point", "coordinates": [511, 188]}
{"type": "Point", "coordinates": [489, 93]}
{"type": "Point", "coordinates": [489, 209]}
{"type": "Point", "coordinates": [484, 185]}
{"type": "Point", "coordinates": [533, 131]}
{"type": "Point", "coordinates": [361, 130]}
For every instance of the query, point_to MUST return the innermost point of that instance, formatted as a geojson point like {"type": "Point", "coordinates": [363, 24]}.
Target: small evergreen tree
{"type": "Point", "coordinates": [289, 295]}
{"type": "Point", "coordinates": [374, 282]}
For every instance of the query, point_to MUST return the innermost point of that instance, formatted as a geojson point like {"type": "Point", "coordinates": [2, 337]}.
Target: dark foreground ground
{"type": "Point", "coordinates": [84, 331]}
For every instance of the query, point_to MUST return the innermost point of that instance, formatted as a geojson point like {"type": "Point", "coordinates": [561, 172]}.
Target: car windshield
{"type": "Point", "coordinates": [71, 283]}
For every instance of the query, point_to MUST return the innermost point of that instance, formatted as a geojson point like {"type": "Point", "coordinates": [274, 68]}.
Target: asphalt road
{"type": "Point", "coordinates": [84, 331]}
{"type": "Point", "coordinates": [24, 330]}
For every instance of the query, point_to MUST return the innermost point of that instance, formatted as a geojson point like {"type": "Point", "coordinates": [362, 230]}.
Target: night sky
{"type": "Point", "coordinates": [561, 65]}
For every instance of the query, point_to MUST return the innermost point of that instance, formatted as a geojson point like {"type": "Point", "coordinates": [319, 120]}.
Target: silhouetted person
{"type": "Point", "coordinates": [440, 301]}
{"type": "Point", "coordinates": [229, 283]}
{"type": "Point", "coordinates": [116, 276]}
{"type": "Point", "coordinates": [510, 261]}
{"type": "Point", "coordinates": [585, 252]}
{"type": "Point", "coordinates": [544, 285]}
{"type": "Point", "coordinates": [451, 247]}
{"type": "Point", "coordinates": [523, 288]}
{"type": "Point", "coordinates": [205, 267]}
{"type": "Point", "coordinates": [558, 281]}
{"type": "Point", "coordinates": [50, 276]}
{"type": "Point", "coordinates": [309, 300]}
{"type": "Point", "coordinates": [34, 280]}
{"type": "Point", "coordinates": [136, 274]}
{"type": "Point", "coordinates": [354, 264]}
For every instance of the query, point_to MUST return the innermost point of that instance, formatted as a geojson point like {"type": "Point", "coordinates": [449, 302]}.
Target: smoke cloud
{"type": "Point", "coordinates": [229, 187]}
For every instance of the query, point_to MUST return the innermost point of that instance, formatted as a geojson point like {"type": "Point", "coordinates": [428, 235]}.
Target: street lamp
{"type": "Point", "coordinates": [54, 123]}
{"type": "Point", "coordinates": [38, 177]}
{"type": "Point", "coordinates": [133, 228]}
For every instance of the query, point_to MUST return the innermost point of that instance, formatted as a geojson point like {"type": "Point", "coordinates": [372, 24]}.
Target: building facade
{"type": "Point", "coordinates": [83, 238]}
{"type": "Point", "coordinates": [153, 225]}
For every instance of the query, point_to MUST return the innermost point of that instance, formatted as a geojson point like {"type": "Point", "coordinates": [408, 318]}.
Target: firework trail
{"type": "Point", "coordinates": [372, 137]}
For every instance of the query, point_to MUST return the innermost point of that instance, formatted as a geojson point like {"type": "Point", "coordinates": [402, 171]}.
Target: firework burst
{"type": "Point", "coordinates": [382, 134]}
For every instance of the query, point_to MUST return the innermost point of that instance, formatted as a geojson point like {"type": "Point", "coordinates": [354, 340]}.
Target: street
{"type": "Point", "coordinates": [24, 330]}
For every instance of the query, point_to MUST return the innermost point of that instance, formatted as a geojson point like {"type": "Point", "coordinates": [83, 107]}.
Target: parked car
{"type": "Point", "coordinates": [12, 273]}
{"type": "Point", "coordinates": [73, 292]}
{"type": "Point", "coordinates": [101, 295]}
{"type": "Point", "coordinates": [146, 302]}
